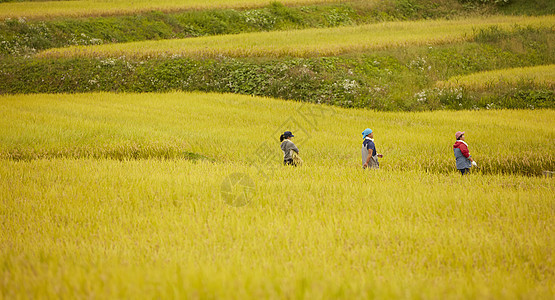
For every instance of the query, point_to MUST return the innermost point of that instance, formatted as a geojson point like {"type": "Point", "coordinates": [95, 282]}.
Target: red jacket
{"type": "Point", "coordinates": [462, 146]}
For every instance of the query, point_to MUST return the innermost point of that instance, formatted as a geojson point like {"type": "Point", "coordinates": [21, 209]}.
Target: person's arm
{"type": "Point", "coordinates": [294, 147]}
{"type": "Point", "coordinates": [465, 152]}
{"type": "Point", "coordinates": [368, 158]}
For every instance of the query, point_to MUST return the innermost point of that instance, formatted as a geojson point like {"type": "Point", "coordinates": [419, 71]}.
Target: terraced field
{"type": "Point", "coordinates": [88, 8]}
{"type": "Point", "coordinates": [153, 168]}
{"type": "Point", "coordinates": [307, 43]}
{"type": "Point", "coordinates": [537, 75]}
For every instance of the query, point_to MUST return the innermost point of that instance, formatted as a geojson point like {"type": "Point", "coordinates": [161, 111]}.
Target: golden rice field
{"type": "Point", "coordinates": [91, 8]}
{"type": "Point", "coordinates": [538, 75]}
{"type": "Point", "coordinates": [307, 42]}
{"type": "Point", "coordinates": [232, 128]}
{"type": "Point", "coordinates": [98, 202]}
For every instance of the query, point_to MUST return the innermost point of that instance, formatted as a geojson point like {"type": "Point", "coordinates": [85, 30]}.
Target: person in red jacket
{"type": "Point", "coordinates": [462, 154]}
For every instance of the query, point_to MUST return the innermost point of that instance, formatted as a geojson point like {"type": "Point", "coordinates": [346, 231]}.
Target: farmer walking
{"type": "Point", "coordinates": [369, 153]}
{"type": "Point", "coordinates": [462, 155]}
{"type": "Point", "coordinates": [290, 151]}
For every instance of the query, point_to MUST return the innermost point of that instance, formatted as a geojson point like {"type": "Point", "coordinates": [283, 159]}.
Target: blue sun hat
{"type": "Point", "coordinates": [366, 132]}
{"type": "Point", "coordinates": [288, 134]}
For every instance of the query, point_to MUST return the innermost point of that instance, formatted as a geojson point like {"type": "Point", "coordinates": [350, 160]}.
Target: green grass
{"type": "Point", "coordinates": [306, 43]}
{"type": "Point", "coordinates": [88, 8]}
{"type": "Point", "coordinates": [78, 226]}
{"type": "Point", "coordinates": [399, 79]}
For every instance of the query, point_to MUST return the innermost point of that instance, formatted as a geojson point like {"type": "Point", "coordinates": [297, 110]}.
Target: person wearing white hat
{"type": "Point", "coordinates": [464, 160]}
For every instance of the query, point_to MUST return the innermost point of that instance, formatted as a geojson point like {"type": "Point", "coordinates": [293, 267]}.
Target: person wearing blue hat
{"type": "Point", "coordinates": [369, 153]}
{"type": "Point", "coordinates": [288, 147]}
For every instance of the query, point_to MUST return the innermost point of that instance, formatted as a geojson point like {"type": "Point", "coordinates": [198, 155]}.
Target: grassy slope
{"type": "Point", "coordinates": [400, 78]}
{"type": "Point", "coordinates": [393, 79]}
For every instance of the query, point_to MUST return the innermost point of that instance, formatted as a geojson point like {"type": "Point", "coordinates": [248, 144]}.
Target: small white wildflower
{"type": "Point", "coordinates": [350, 85]}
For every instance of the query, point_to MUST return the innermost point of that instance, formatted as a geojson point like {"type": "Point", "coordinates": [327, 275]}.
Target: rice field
{"type": "Point", "coordinates": [92, 8]}
{"type": "Point", "coordinates": [538, 75]}
{"type": "Point", "coordinates": [79, 221]}
{"type": "Point", "coordinates": [308, 42]}
{"type": "Point", "coordinates": [184, 195]}
{"type": "Point", "coordinates": [169, 126]}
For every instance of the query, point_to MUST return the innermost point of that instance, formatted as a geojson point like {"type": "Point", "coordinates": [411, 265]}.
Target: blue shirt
{"type": "Point", "coordinates": [369, 144]}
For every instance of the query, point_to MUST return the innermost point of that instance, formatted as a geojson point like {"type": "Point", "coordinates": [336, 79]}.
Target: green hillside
{"type": "Point", "coordinates": [398, 75]}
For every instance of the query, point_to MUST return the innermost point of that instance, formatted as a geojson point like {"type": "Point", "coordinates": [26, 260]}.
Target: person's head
{"type": "Point", "coordinates": [368, 133]}
{"type": "Point", "coordinates": [286, 135]}
{"type": "Point", "coordinates": [459, 135]}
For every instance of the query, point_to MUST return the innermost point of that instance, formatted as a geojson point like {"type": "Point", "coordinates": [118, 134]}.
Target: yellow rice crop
{"type": "Point", "coordinates": [309, 42]}
{"type": "Point", "coordinates": [162, 229]}
{"type": "Point", "coordinates": [163, 125]}
{"type": "Point", "coordinates": [89, 8]}
{"type": "Point", "coordinates": [79, 226]}
{"type": "Point", "coordinates": [538, 75]}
